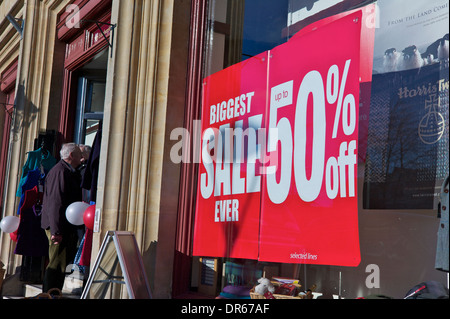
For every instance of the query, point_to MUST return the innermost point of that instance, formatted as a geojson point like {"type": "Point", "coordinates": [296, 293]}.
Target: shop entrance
{"type": "Point", "coordinates": [90, 99]}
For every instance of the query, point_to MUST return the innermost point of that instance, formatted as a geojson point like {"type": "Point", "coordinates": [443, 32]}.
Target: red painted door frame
{"type": "Point", "coordinates": [188, 182]}
{"type": "Point", "coordinates": [7, 96]}
{"type": "Point", "coordinates": [82, 44]}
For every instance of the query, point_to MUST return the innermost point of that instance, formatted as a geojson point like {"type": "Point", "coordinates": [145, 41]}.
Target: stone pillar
{"type": "Point", "coordinates": [37, 92]}
{"type": "Point", "coordinates": [133, 157]}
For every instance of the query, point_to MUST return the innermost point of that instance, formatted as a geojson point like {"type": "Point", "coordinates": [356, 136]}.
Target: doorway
{"type": "Point", "coordinates": [90, 99]}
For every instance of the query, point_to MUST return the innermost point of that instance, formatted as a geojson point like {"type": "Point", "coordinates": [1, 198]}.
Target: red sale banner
{"type": "Point", "coordinates": [368, 24]}
{"type": "Point", "coordinates": [309, 206]}
{"type": "Point", "coordinates": [229, 184]}
{"type": "Point", "coordinates": [277, 173]}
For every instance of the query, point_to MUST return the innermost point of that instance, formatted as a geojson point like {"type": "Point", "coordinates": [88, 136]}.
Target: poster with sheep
{"type": "Point", "coordinates": [411, 34]}
{"type": "Point", "coordinates": [408, 141]}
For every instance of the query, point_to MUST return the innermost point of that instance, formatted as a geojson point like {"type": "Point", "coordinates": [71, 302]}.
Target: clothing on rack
{"type": "Point", "coordinates": [31, 238]}
{"type": "Point", "coordinates": [35, 160]}
{"type": "Point", "coordinates": [33, 178]}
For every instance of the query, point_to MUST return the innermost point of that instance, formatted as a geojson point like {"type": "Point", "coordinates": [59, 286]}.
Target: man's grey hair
{"type": "Point", "coordinates": [67, 149]}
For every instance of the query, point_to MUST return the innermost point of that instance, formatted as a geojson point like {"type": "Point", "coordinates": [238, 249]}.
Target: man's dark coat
{"type": "Point", "coordinates": [62, 188]}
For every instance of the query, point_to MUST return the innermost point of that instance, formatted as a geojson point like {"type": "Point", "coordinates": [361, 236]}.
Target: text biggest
{"type": "Point", "coordinates": [229, 177]}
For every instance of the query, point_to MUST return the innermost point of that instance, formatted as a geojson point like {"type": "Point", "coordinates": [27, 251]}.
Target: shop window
{"type": "Point", "coordinates": [90, 99]}
{"type": "Point", "coordinates": [239, 30]}
{"type": "Point", "coordinates": [242, 29]}
{"type": "Point", "coordinates": [397, 241]}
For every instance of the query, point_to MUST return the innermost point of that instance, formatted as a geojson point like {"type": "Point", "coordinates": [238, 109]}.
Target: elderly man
{"type": "Point", "coordinates": [62, 188]}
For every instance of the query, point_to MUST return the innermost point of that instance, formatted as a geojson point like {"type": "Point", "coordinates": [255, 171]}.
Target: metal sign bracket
{"type": "Point", "coordinates": [98, 24]}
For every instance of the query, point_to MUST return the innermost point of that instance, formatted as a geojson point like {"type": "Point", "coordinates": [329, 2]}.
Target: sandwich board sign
{"type": "Point", "coordinates": [119, 262]}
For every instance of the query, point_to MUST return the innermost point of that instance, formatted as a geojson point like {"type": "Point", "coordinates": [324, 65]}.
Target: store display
{"type": "Point", "coordinates": [275, 289]}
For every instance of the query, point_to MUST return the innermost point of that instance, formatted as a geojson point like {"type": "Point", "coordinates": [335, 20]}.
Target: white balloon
{"type": "Point", "coordinates": [75, 212]}
{"type": "Point", "coordinates": [9, 224]}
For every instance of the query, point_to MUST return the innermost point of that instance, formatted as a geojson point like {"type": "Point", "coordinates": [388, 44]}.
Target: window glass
{"type": "Point", "coordinates": [90, 98]}
{"type": "Point", "coordinates": [398, 181]}
{"type": "Point", "coordinates": [264, 22]}
{"type": "Point", "coordinates": [90, 105]}
{"type": "Point", "coordinates": [97, 100]}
